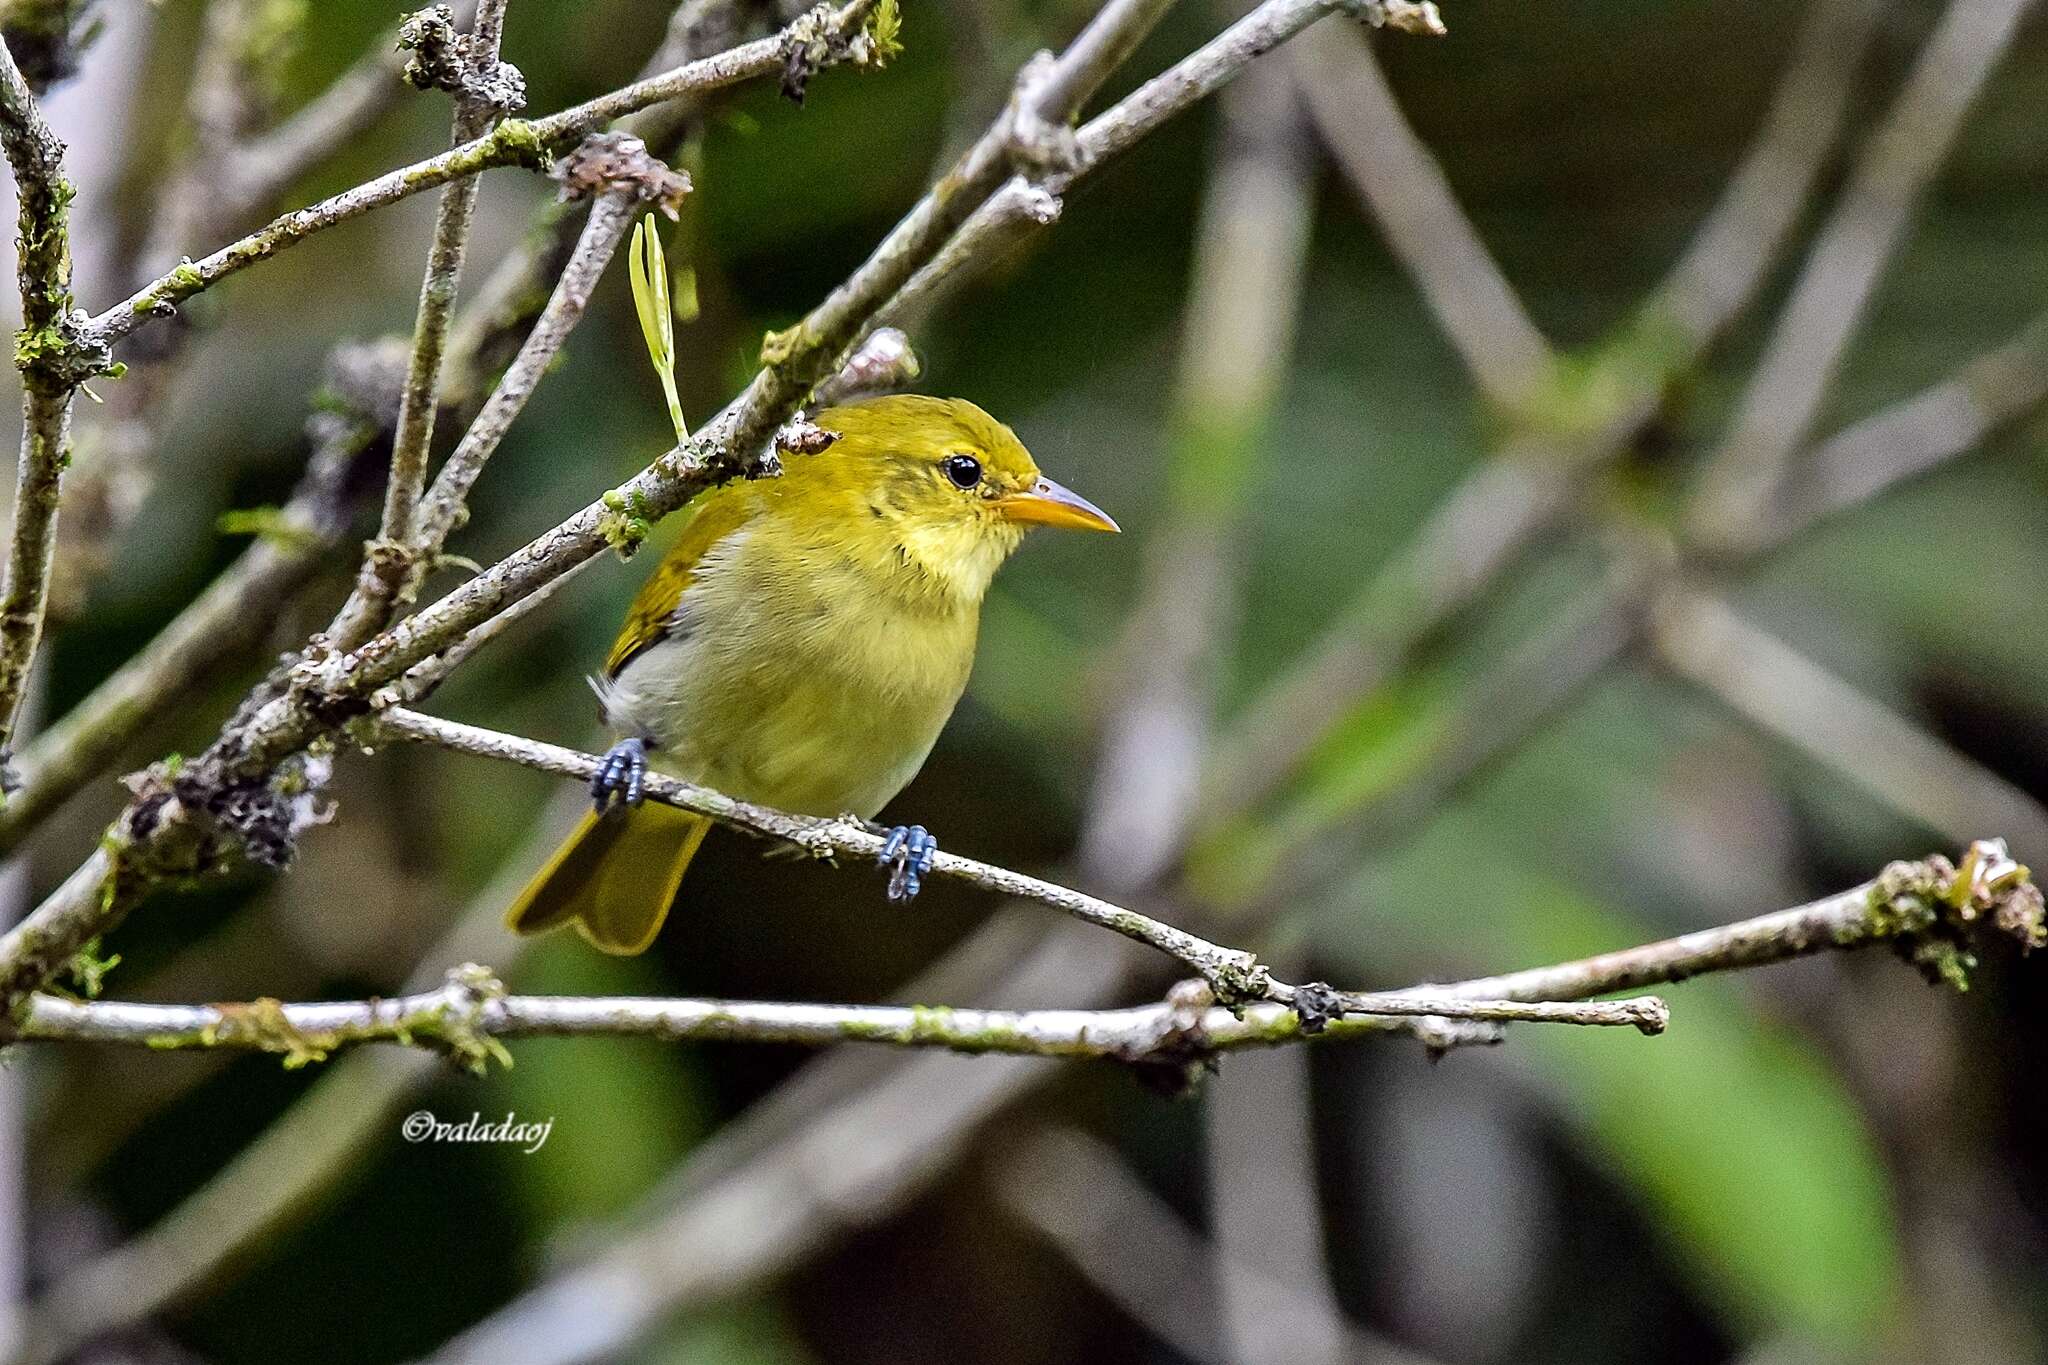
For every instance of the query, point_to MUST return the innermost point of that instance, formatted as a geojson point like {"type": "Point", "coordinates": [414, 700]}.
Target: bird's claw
{"type": "Point", "coordinates": [907, 851]}
{"type": "Point", "coordinates": [622, 776]}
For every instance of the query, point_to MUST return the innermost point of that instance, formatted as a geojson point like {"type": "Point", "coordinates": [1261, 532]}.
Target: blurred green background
{"type": "Point", "coordinates": [1825, 1161]}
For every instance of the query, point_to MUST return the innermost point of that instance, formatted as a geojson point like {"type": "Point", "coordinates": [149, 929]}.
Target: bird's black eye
{"type": "Point", "coordinates": [963, 470]}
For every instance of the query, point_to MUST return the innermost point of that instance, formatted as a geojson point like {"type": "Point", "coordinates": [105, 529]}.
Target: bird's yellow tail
{"type": "Point", "coordinates": [613, 878]}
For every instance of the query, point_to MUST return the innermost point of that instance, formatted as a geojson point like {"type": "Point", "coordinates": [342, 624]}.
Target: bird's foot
{"type": "Point", "coordinates": [622, 775]}
{"type": "Point", "coordinates": [907, 851]}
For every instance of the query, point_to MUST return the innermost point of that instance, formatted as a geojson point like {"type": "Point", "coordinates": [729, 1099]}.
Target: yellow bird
{"type": "Point", "coordinates": [801, 647]}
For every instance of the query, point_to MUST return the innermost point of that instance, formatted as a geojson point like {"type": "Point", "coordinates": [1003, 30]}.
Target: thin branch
{"type": "Point", "coordinates": [423, 678]}
{"type": "Point", "coordinates": [43, 354]}
{"type": "Point", "coordinates": [1340, 81]}
{"type": "Point", "coordinates": [471, 1011]}
{"type": "Point", "coordinates": [514, 142]}
{"type": "Point", "coordinates": [1704, 640]}
{"type": "Point", "coordinates": [1236, 975]}
{"type": "Point", "coordinates": [442, 509]}
{"type": "Point", "coordinates": [1798, 366]}
{"type": "Point", "coordinates": [1920, 906]}
{"type": "Point", "coordinates": [1233, 975]}
{"type": "Point", "coordinates": [390, 569]}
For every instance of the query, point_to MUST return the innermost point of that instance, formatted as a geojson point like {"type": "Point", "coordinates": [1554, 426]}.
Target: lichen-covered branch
{"type": "Point", "coordinates": [470, 1014]}
{"type": "Point", "coordinates": [1929, 910]}
{"type": "Point", "coordinates": [514, 142]}
{"type": "Point", "coordinates": [47, 355]}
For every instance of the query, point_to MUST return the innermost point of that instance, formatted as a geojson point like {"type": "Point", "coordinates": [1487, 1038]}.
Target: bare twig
{"type": "Point", "coordinates": [47, 356]}
{"type": "Point", "coordinates": [390, 569]}
{"type": "Point", "coordinates": [1235, 975]}
{"type": "Point", "coordinates": [442, 508]}
{"type": "Point", "coordinates": [471, 1010]}
{"type": "Point", "coordinates": [1783, 400]}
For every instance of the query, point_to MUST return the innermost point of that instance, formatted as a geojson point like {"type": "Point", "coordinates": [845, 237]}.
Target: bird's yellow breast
{"type": "Point", "coordinates": [799, 671]}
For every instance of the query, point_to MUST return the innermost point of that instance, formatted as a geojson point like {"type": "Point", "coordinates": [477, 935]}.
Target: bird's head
{"type": "Point", "coordinates": [948, 487]}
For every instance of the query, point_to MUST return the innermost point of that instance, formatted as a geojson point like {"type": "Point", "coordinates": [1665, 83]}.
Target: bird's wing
{"type": "Point", "coordinates": [653, 612]}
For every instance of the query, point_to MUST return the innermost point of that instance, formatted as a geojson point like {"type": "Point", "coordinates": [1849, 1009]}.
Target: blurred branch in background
{"type": "Point", "coordinates": [1792, 378]}
{"type": "Point", "coordinates": [1786, 695]}
{"type": "Point", "coordinates": [1264, 1212]}
{"type": "Point", "coordinates": [1237, 341]}
{"type": "Point", "coordinates": [1486, 524]}
{"type": "Point", "coordinates": [1905, 440]}
{"type": "Point", "coordinates": [1126, 1241]}
{"type": "Point", "coordinates": [1340, 81]}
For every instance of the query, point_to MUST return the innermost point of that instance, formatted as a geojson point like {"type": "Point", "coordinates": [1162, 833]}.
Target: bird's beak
{"type": "Point", "coordinates": [1046, 503]}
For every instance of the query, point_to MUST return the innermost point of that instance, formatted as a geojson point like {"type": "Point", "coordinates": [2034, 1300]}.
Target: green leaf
{"type": "Point", "coordinates": [649, 271]}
